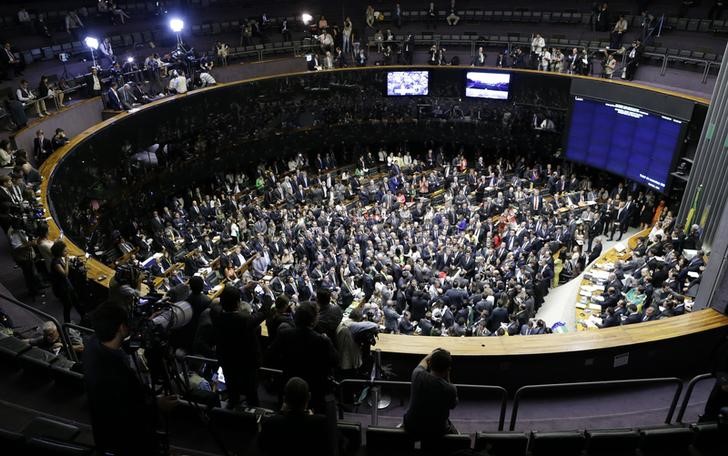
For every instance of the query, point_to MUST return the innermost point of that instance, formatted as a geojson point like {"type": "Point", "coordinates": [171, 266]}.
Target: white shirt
{"type": "Point", "coordinates": [24, 95]}
{"type": "Point", "coordinates": [207, 79]}
{"type": "Point", "coordinates": [5, 158]}
{"type": "Point", "coordinates": [538, 44]}
{"type": "Point", "coordinates": [179, 84]}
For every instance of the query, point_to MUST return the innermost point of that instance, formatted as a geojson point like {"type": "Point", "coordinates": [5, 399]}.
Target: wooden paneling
{"type": "Point", "coordinates": [627, 336]}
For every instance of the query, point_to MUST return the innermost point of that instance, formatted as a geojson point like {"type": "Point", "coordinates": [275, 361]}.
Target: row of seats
{"type": "Point", "coordinates": [653, 54]}
{"type": "Point", "coordinates": [14, 350]}
{"type": "Point", "coordinates": [706, 438]}
{"type": "Point", "coordinates": [55, 17]}
{"type": "Point", "coordinates": [44, 436]}
{"type": "Point", "coordinates": [47, 437]}
{"type": "Point", "coordinates": [562, 17]}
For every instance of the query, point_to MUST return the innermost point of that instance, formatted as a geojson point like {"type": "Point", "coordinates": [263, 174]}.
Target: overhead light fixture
{"type": "Point", "coordinates": [306, 18]}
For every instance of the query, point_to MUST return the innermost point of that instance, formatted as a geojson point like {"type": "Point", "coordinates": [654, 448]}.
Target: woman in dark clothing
{"type": "Point", "coordinates": [62, 288]}
{"type": "Point", "coordinates": [647, 210]}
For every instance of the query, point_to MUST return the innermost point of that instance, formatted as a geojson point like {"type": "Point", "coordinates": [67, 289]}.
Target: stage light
{"type": "Point", "coordinates": [176, 25]}
{"type": "Point", "coordinates": [130, 59]}
{"type": "Point", "coordinates": [91, 42]}
{"type": "Point", "coordinates": [306, 18]}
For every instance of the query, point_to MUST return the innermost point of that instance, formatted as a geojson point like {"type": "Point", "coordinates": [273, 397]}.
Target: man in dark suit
{"type": "Point", "coordinates": [623, 217]}
{"type": "Point", "coordinates": [42, 147]}
{"type": "Point", "coordinates": [302, 352]}
{"type": "Point", "coordinates": [11, 65]}
{"type": "Point", "coordinates": [610, 319]}
{"type": "Point", "coordinates": [596, 251]}
{"type": "Point", "coordinates": [650, 314]}
{"type": "Point", "coordinates": [633, 316]}
{"type": "Point", "coordinates": [295, 429]}
{"type": "Point", "coordinates": [114, 102]}
{"type": "Point", "coordinates": [536, 202]}
{"type": "Point", "coordinates": [499, 315]}
{"type": "Point", "coordinates": [694, 265]}
{"type": "Point", "coordinates": [634, 56]}
{"type": "Point", "coordinates": [238, 349]}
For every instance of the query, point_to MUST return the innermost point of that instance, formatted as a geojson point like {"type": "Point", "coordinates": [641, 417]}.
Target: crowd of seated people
{"type": "Point", "coordinates": [655, 282]}
{"type": "Point", "coordinates": [429, 245]}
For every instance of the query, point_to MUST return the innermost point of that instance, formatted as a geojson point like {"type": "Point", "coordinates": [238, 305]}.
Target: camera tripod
{"type": "Point", "coordinates": [164, 377]}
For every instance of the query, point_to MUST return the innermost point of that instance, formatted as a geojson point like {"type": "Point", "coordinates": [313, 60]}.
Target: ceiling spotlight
{"type": "Point", "coordinates": [176, 25]}
{"type": "Point", "coordinates": [306, 18]}
{"type": "Point", "coordinates": [130, 59]}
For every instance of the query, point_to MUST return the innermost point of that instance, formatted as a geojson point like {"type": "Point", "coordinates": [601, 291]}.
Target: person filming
{"type": "Point", "coordinates": [123, 411]}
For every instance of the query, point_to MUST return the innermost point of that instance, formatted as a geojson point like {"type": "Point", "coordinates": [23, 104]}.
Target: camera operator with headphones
{"type": "Point", "coordinates": [123, 411]}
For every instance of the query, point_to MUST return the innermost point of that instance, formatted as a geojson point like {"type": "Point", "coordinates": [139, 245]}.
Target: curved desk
{"type": "Point", "coordinates": [584, 305]}
{"type": "Point", "coordinates": [556, 357]}
{"type": "Point", "coordinates": [625, 337]}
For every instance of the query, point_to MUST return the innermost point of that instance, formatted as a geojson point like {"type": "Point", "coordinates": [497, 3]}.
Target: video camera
{"type": "Point", "coordinates": [151, 316]}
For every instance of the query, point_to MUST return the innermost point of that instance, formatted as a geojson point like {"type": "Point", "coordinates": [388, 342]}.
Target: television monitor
{"type": "Point", "coordinates": [624, 140]}
{"type": "Point", "coordinates": [406, 83]}
{"type": "Point", "coordinates": [483, 84]}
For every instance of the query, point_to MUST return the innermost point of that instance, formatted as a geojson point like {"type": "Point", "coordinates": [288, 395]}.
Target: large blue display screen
{"type": "Point", "coordinates": [623, 140]}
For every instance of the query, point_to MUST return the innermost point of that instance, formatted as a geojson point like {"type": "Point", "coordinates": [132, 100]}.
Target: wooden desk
{"type": "Point", "coordinates": [610, 256]}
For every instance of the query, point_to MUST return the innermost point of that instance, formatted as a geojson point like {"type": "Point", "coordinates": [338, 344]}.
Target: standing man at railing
{"type": "Point", "coordinates": [432, 396]}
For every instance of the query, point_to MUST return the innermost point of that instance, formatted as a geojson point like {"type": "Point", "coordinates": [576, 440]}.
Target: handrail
{"type": "Point", "coordinates": [64, 337]}
{"type": "Point", "coordinates": [566, 386]}
{"type": "Point", "coordinates": [81, 329]}
{"type": "Point", "coordinates": [204, 359]}
{"type": "Point", "coordinates": [689, 392]}
{"type": "Point", "coordinates": [502, 393]}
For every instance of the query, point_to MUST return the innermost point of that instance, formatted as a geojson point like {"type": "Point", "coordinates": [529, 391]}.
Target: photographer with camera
{"type": "Point", "coordinates": [123, 411]}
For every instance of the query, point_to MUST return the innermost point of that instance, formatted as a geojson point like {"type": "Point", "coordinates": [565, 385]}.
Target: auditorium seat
{"type": "Point", "coordinates": [388, 441]}
{"type": "Point", "coordinates": [38, 358]}
{"type": "Point", "coordinates": [351, 434]}
{"type": "Point", "coordinates": [563, 443]}
{"type": "Point", "coordinates": [62, 372]}
{"type": "Point", "coordinates": [42, 427]}
{"type": "Point", "coordinates": [38, 446]}
{"type": "Point", "coordinates": [617, 442]}
{"type": "Point", "coordinates": [502, 443]}
{"type": "Point", "coordinates": [709, 439]}
{"type": "Point", "coordinates": [666, 440]}
{"type": "Point", "coordinates": [12, 347]}
{"type": "Point", "coordinates": [241, 422]}
{"type": "Point", "coordinates": [447, 444]}
{"type": "Point", "coordinates": [11, 442]}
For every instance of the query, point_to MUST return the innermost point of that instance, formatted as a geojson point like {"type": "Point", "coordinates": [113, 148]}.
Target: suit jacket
{"type": "Point", "coordinates": [499, 315]}
{"type": "Point", "coordinates": [114, 100]}
{"type": "Point", "coordinates": [304, 434]}
{"type": "Point", "coordinates": [596, 251]}
{"type": "Point", "coordinates": [42, 149]}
